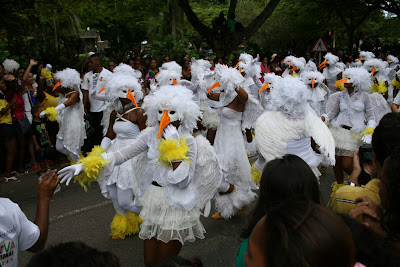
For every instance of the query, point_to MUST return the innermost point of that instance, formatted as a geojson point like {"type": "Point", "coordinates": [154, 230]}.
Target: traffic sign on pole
{"type": "Point", "coordinates": [320, 46]}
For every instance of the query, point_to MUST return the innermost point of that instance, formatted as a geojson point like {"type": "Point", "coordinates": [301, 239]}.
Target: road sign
{"type": "Point", "coordinates": [320, 46]}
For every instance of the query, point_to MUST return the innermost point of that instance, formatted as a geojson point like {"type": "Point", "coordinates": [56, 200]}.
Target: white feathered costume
{"type": "Point", "coordinates": [71, 133]}
{"type": "Point", "coordinates": [229, 143]}
{"type": "Point", "coordinates": [172, 199]}
{"type": "Point", "coordinates": [289, 129]}
{"type": "Point", "coordinates": [317, 93]}
{"type": "Point", "coordinates": [10, 65]}
{"type": "Point", "coordinates": [330, 71]}
{"type": "Point", "coordinates": [270, 81]}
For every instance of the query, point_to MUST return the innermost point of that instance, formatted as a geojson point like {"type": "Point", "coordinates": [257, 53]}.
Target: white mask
{"type": "Point", "coordinates": [173, 115]}
{"type": "Point", "coordinates": [123, 92]}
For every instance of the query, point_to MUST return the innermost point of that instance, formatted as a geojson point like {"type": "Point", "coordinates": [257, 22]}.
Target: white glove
{"type": "Point", "coordinates": [66, 174]}
{"type": "Point", "coordinates": [60, 107]}
{"type": "Point", "coordinates": [105, 143]}
{"type": "Point", "coordinates": [170, 132]}
{"type": "Point", "coordinates": [96, 96]}
{"type": "Point", "coordinates": [367, 138]}
{"type": "Point", "coordinates": [42, 114]}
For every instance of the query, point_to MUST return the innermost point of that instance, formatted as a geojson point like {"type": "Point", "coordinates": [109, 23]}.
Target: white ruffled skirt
{"type": "Point", "coordinates": [166, 222]}
{"type": "Point", "coordinates": [346, 141]}
{"type": "Point", "coordinates": [210, 118]}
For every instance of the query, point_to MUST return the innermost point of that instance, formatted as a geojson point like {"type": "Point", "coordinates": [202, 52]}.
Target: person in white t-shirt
{"type": "Point", "coordinates": [17, 233]}
{"type": "Point", "coordinates": [95, 80]}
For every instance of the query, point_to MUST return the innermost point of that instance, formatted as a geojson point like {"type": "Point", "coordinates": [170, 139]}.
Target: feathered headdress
{"type": "Point", "coordinates": [128, 70]}
{"type": "Point", "coordinates": [10, 65]}
{"type": "Point", "coordinates": [199, 68]}
{"type": "Point", "coordinates": [375, 65]}
{"type": "Point", "coordinates": [392, 60]}
{"type": "Point", "coordinates": [121, 81]}
{"type": "Point", "coordinates": [229, 78]}
{"type": "Point", "coordinates": [171, 66]}
{"type": "Point", "coordinates": [68, 78]}
{"type": "Point", "coordinates": [312, 77]}
{"type": "Point", "coordinates": [167, 77]}
{"type": "Point", "coordinates": [359, 77]}
{"type": "Point", "coordinates": [366, 55]}
{"type": "Point", "coordinates": [270, 81]}
{"type": "Point", "coordinates": [288, 97]}
{"type": "Point", "coordinates": [177, 98]}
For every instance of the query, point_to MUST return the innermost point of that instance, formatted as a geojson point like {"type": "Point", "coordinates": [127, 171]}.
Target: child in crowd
{"type": "Point", "coordinates": [41, 140]}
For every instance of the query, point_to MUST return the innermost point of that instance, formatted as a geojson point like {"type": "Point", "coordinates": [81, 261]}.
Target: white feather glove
{"type": "Point", "coordinates": [42, 114]}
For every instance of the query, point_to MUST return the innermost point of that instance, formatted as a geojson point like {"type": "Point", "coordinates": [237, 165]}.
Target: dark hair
{"type": "Point", "coordinates": [386, 136]}
{"type": "Point", "coordinates": [289, 177]}
{"type": "Point", "coordinates": [177, 261]}
{"type": "Point", "coordinates": [98, 57]}
{"type": "Point", "coordinates": [370, 250]}
{"type": "Point", "coordinates": [75, 254]}
{"type": "Point", "coordinates": [303, 233]}
{"type": "Point", "coordinates": [35, 109]}
{"type": "Point", "coordinates": [391, 217]}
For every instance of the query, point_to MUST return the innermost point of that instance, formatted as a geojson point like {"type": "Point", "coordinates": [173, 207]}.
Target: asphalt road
{"type": "Point", "coordinates": [76, 215]}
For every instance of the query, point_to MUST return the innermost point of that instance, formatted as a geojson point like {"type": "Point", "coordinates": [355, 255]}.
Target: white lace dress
{"type": "Point", "coordinates": [72, 126]}
{"type": "Point", "coordinates": [230, 148]}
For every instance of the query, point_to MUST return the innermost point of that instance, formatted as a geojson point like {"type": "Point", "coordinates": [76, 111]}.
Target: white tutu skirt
{"type": "Point", "coordinates": [346, 141]}
{"type": "Point", "coordinates": [166, 222]}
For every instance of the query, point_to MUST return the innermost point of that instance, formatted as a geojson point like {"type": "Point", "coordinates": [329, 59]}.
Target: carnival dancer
{"type": "Point", "coordinates": [317, 93]}
{"type": "Point", "coordinates": [346, 112]}
{"type": "Point", "coordinates": [331, 72]}
{"type": "Point", "coordinates": [270, 81]}
{"type": "Point", "coordinates": [288, 129]}
{"type": "Point", "coordinates": [126, 121]}
{"type": "Point", "coordinates": [251, 70]}
{"type": "Point", "coordinates": [229, 142]}
{"type": "Point", "coordinates": [379, 89]}
{"type": "Point", "coordinates": [294, 66]}
{"type": "Point", "coordinates": [69, 114]}
{"type": "Point", "coordinates": [182, 172]}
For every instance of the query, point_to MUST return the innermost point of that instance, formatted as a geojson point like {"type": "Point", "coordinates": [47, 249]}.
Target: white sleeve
{"type": "Point", "coordinates": [331, 114]}
{"type": "Point", "coordinates": [369, 108]}
{"type": "Point", "coordinates": [139, 145]}
{"type": "Point", "coordinates": [397, 100]}
{"type": "Point", "coordinates": [28, 231]}
{"type": "Point", "coordinates": [85, 82]}
{"type": "Point", "coordinates": [183, 175]}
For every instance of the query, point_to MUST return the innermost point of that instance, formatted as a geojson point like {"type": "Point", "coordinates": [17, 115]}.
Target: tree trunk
{"type": "Point", "coordinates": [350, 42]}
{"type": "Point", "coordinates": [173, 17]}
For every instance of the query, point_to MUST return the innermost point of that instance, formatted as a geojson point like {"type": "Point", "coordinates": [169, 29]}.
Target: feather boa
{"type": "Point", "coordinates": [46, 74]}
{"type": "Point", "coordinates": [122, 226]}
{"type": "Point", "coordinates": [173, 150]}
{"type": "Point", "coordinates": [340, 87]}
{"type": "Point", "coordinates": [92, 163]}
{"type": "Point", "coordinates": [255, 175]}
{"type": "Point", "coordinates": [368, 130]}
{"type": "Point", "coordinates": [396, 84]}
{"type": "Point", "coordinates": [379, 88]}
{"type": "Point", "coordinates": [51, 114]}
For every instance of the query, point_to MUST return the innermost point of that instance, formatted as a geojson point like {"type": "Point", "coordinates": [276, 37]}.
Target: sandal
{"type": "Point", "coordinates": [12, 179]}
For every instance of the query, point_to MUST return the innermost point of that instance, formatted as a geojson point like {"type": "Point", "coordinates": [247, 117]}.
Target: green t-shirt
{"type": "Point", "coordinates": [242, 251]}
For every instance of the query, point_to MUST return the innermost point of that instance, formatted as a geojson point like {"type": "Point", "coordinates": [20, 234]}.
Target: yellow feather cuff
{"type": "Point", "coordinates": [92, 163]}
{"type": "Point", "coordinates": [368, 130]}
{"type": "Point", "coordinates": [340, 87]}
{"type": "Point", "coordinates": [396, 84]}
{"type": "Point", "coordinates": [255, 175]}
{"type": "Point", "coordinates": [173, 150]}
{"type": "Point", "coordinates": [46, 74]}
{"type": "Point", "coordinates": [51, 114]}
{"type": "Point", "coordinates": [379, 88]}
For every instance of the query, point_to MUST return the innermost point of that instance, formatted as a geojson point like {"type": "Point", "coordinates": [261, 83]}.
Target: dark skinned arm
{"type": "Point", "coordinates": [110, 132]}
{"type": "Point", "coordinates": [214, 96]}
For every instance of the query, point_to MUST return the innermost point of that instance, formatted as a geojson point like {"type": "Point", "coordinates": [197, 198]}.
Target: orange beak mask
{"type": "Point", "coordinates": [265, 86]}
{"type": "Point", "coordinates": [165, 120]}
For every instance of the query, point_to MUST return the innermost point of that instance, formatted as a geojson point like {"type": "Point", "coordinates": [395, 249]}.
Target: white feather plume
{"type": "Point", "coordinates": [123, 81]}
{"type": "Point", "coordinates": [172, 66]}
{"type": "Point", "coordinates": [360, 78]}
{"type": "Point", "coordinates": [10, 65]}
{"type": "Point", "coordinates": [307, 77]}
{"type": "Point", "coordinates": [229, 78]}
{"type": "Point", "coordinates": [367, 55]}
{"type": "Point", "coordinates": [69, 78]}
{"type": "Point", "coordinates": [379, 65]}
{"type": "Point", "coordinates": [331, 58]}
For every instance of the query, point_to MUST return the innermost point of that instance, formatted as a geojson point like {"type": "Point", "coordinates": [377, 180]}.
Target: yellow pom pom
{"type": "Point", "coordinates": [51, 114]}
{"type": "Point", "coordinates": [340, 87]}
{"type": "Point", "coordinates": [255, 175]}
{"type": "Point", "coordinates": [379, 88]}
{"type": "Point", "coordinates": [396, 84]}
{"type": "Point", "coordinates": [118, 226]}
{"type": "Point", "coordinates": [368, 130]}
{"type": "Point", "coordinates": [173, 150]}
{"type": "Point", "coordinates": [46, 74]}
{"type": "Point", "coordinates": [92, 163]}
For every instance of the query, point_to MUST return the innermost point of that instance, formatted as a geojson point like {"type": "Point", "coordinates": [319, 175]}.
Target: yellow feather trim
{"type": "Point", "coordinates": [51, 114]}
{"type": "Point", "coordinates": [335, 186]}
{"type": "Point", "coordinates": [340, 87]}
{"type": "Point", "coordinates": [119, 225]}
{"type": "Point", "coordinates": [379, 88]}
{"type": "Point", "coordinates": [294, 75]}
{"type": "Point", "coordinates": [92, 164]}
{"type": "Point", "coordinates": [123, 226]}
{"type": "Point", "coordinates": [255, 175]}
{"type": "Point", "coordinates": [46, 74]}
{"type": "Point", "coordinates": [396, 84]}
{"type": "Point", "coordinates": [368, 130]}
{"type": "Point", "coordinates": [173, 150]}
